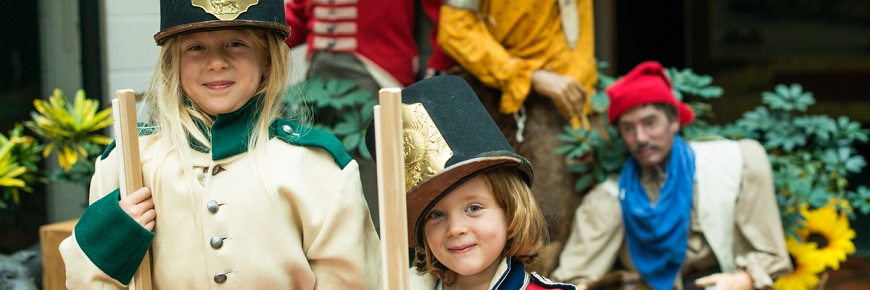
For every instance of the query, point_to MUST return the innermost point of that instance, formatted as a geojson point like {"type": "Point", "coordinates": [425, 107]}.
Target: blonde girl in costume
{"type": "Point", "coordinates": [234, 195]}
{"type": "Point", "coordinates": [472, 218]}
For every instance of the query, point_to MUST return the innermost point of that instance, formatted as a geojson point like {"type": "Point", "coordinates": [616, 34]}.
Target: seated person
{"type": "Point", "coordinates": [683, 215]}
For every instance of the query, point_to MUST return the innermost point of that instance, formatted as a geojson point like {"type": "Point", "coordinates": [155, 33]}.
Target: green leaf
{"type": "Point", "coordinates": [788, 98]}
{"type": "Point", "coordinates": [710, 92]}
{"type": "Point", "coordinates": [755, 120]}
{"type": "Point", "coordinates": [786, 138]}
{"type": "Point", "coordinates": [337, 87]}
{"type": "Point", "coordinates": [347, 127]}
{"type": "Point", "coordinates": [563, 149]}
{"type": "Point", "coordinates": [818, 197]}
{"type": "Point", "coordinates": [579, 151]}
{"type": "Point", "coordinates": [860, 199]}
{"type": "Point", "coordinates": [578, 167]}
{"type": "Point", "coordinates": [566, 138]}
{"type": "Point", "coordinates": [583, 183]}
{"type": "Point", "coordinates": [850, 130]}
{"type": "Point", "coordinates": [358, 97]}
{"type": "Point", "coordinates": [600, 101]}
{"type": "Point", "coordinates": [350, 142]}
{"type": "Point", "coordinates": [855, 164]}
{"type": "Point", "coordinates": [774, 101]}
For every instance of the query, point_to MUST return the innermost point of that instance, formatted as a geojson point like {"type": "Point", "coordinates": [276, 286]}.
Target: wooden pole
{"type": "Point", "coordinates": [391, 189]}
{"type": "Point", "coordinates": [130, 171]}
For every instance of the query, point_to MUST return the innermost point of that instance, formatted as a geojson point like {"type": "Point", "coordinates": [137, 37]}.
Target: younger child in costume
{"type": "Point", "coordinates": [235, 196]}
{"type": "Point", "coordinates": [471, 214]}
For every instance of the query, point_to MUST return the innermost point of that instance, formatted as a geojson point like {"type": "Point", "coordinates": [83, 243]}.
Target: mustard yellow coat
{"type": "Point", "coordinates": [504, 41]}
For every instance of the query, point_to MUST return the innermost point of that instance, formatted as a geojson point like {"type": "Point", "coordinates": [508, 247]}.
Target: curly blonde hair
{"type": "Point", "coordinates": [526, 230]}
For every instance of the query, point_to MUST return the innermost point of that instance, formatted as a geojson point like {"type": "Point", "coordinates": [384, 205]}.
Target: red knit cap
{"type": "Point", "coordinates": [646, 83]}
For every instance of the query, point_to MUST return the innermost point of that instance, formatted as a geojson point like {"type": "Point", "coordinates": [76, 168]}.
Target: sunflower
{"type": "Point", "coordinates": [829, 231]}
{"type": "Point", "coordinates": [805, 258]}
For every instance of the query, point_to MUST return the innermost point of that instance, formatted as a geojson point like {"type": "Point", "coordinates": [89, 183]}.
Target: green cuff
{"type": "Point", "coordinates": [112, 239]}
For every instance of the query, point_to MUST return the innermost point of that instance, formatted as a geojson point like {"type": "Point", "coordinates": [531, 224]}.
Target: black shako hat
{"type": "Point", "coordinates": [185, 16]}
{"type": "Point", "coordinates": [448, 138]}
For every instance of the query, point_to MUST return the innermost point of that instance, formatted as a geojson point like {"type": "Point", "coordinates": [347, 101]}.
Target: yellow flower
{"type": "Point", "coordinates": [805, 258]}
{"type": "Point", "coordinates": [68, 127]}
{"type": "Point", "coordinates": [829, 231]}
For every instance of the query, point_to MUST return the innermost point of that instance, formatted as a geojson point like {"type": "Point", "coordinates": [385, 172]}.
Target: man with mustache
{"type": "Point", "coordinates": [683, 215]}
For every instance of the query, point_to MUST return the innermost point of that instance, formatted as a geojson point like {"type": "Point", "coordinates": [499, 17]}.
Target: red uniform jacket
{"type": "Point", "coordinates": [380, 30]}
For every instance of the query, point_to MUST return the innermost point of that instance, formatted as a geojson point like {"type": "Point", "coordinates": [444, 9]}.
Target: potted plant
{"type": "Point", "coordinates": [73, 131]}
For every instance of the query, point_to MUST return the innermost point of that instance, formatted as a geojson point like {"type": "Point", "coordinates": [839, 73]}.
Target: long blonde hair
{"type": "Point", "coordinates": [176, 118]}
{"type": "Point", "coordinates": [526, 230]}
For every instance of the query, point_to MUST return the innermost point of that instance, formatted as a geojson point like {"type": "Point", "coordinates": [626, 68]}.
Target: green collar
{"type": "Point", "coordinates": [233, 130]}
{"type": "Point", "coordinates": [230, 132]}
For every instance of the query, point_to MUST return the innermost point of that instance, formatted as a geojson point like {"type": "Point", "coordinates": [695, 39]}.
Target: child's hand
{"type": "Point", "coordinates": [140, 207]}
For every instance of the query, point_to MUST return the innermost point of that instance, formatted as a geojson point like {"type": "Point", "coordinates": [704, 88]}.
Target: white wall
{"type": "Point", "coordinates": [60, 47]}
{"type": "Point", "coordinates": [128, 48]}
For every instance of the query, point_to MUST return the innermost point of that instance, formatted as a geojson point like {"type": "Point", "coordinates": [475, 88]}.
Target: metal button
{"type": "Point", "coordinates": [220, 278]}
{"type": "Point", "coordinates": [212, 206]}
{"type": "Point", "coordinates": [216, 169]}
{"type": "Point", "coordinates": [287, 129]}
{"type": "Point", "coordinates": [216, 242]}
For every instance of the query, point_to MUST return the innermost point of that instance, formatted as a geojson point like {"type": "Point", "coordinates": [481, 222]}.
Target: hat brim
{"type": "Point", "coordinates": [425, 195]}
{"type": "Point", "coordinates": [161, 36]}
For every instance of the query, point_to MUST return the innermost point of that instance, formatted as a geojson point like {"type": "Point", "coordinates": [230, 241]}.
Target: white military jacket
{"type": "Point", "coordinates": [298, 221]}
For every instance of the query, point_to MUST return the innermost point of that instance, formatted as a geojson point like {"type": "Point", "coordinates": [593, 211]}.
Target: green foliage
{"type": "Point", "coordinates": [70, 129]}
{"type": "Point", "coordinates": [340, 109]}
{"type": "Point", "coordinates": [811, 155]}
{"type": "Point", "coordinates": [687, 82]}
{"type": "Point", "coordinates": [858, 199]}
{"type": "Point", "coordinates": [19, 157]}
{"type": "Point", "coordinates": [82, 171]}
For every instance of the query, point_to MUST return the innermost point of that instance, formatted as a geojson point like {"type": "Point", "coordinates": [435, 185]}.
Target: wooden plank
{"type": "Point", "coordinates": [391, 189]}
{"type": "Point", "coordinates": [53, 269]}
{"type": "Point", "coordinates": [130, 171]}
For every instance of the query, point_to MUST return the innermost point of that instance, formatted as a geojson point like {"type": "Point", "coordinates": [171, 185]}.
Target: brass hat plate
{"type": "Point", "coordinates": [426, 151]}
{"type": "Point", "coordinates": [225, 9]}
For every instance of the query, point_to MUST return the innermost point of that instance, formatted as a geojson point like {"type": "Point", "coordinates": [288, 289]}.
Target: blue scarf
{"type": "Point", "coordinates": [658, 233]}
